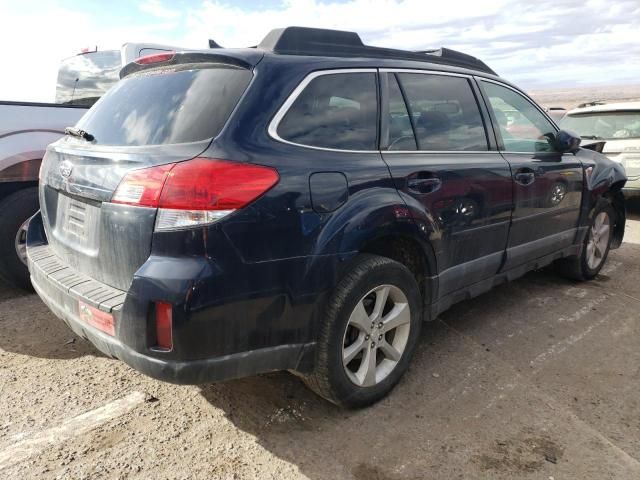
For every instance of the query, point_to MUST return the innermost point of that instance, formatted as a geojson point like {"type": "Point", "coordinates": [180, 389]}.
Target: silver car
{"type": "Point", "coordinates": [617, 124]}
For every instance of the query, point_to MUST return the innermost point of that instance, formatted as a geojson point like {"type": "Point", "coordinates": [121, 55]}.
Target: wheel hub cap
{"type": "Point", "coordinates": [376, 335]}
{"type": "Point", "coordinates": [21, 242]}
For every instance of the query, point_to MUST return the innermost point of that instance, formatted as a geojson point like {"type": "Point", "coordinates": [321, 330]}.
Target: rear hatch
{"type": "Point", "coordinates": [156, 116]}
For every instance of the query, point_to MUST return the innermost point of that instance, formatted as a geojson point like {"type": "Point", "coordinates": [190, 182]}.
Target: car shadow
{"type": "Point", "coordinates": [322, 440]}
{"type": "Point", "coordinates": [27, 327]}
{"type": "Point", "coordinates": [389, 440]}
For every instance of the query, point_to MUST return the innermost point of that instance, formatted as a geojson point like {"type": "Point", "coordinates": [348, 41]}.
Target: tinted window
{"type": "Point", "coordinates": [83, 79]}
{"type": "Point", "coordinates": [335, 111]}
{"type": "Point", "coordinates": [605, 125]}
{"type": "Point", "coordinates": [400, 130]}
{"type": "Point", "coordinates": [155, 108]}
{"type": "Point", "coordinates": [522, 126]}
{"type": "Point", "coordinates": [444, 111]}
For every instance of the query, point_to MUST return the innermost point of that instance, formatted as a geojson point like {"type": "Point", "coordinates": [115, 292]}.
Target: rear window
{"type": "Point", "coordinates": [337, 111]}
{"type": "Point", "coordinates": [167, 107]}
{"type": "Point", "coordinates": [83, 79]}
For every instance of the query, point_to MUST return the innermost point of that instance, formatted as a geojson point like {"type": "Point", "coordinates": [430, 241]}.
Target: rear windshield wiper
{"type": "Point", "coordinates": [76, 132]}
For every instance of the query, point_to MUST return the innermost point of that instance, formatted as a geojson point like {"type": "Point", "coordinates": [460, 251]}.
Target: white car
{"type": "Point", "coordinates": [617, 124]}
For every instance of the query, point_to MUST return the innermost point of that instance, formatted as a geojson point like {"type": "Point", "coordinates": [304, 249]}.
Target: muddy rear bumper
{"type": "Point", "coordinates": [63, 290]}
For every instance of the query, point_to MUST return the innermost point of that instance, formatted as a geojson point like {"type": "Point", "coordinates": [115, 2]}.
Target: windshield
{"type": "Point", "coordinates": [158, 107]}
{"type": "Point", "coordinates": [83, 79]}
{"type": "Point", "coordinates": [605, 125]}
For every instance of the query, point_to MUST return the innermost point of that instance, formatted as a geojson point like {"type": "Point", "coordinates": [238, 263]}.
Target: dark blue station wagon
{"type": "Point", "coordinates": [304, 205]}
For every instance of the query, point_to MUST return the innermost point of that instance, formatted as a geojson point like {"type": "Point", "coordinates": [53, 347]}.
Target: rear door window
{"type": "Point", "coordinates": [444, 112]}
{"type": "Point", "coordinates": [337, 111]}
{"type": "Point", "coordinates": [167, 107]}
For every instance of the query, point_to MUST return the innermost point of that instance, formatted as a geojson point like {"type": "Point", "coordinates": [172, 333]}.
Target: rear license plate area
{"type": "Point", "coordinates": [77, 223]}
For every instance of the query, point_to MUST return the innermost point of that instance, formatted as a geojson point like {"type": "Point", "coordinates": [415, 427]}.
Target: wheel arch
{"type": "Point", "coordinates": [375, 221]}
{"type": "Point", "coordinates": [616, 197]}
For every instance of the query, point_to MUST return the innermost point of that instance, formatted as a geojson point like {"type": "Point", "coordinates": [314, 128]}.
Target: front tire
{"type": "Point", "coordinates": [15, 210]}
{"type": "Point", "coordinates": [369, 333]}
{"type": "Point", "coordinates": [595, 248]}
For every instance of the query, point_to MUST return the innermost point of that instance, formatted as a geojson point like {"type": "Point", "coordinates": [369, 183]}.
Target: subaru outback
{"type": "Point", "coordinates": [305, 205]}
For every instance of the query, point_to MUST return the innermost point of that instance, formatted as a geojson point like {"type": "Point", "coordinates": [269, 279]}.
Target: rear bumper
{"type": "Point", "coordinates": [62, 289]}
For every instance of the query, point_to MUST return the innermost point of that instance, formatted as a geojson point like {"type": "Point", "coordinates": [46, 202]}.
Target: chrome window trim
{"type": "Point", "coordinates": [272, 129]}
{"type": "Point", "coordinates": [282, 111]}
{"type": "Point", "coordinates": [441, 152]}
{"type": "Point", "coordinates": [446, 74]}
{"type": "Point", "coordinates": [566, 154]}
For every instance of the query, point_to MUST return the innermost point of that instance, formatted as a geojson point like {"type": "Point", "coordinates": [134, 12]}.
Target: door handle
{"type": "Point", "coordinates": [525, 176]}
{"type": "Point", "coordinates": [424, 185]}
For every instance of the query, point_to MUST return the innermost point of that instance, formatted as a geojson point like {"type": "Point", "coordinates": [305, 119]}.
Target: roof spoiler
{"type": "Point", "coordinates": [338, 43]}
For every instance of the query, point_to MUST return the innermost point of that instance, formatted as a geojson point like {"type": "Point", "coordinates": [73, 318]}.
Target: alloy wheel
{"type": "Point", "coordinates": [558, 193]}
{"type": "Point", "coordinates": [376, 335]}
{"type": "Point", "coordinates": [21, 242]}
{"type": "Point", "coordinates": [598, 240]}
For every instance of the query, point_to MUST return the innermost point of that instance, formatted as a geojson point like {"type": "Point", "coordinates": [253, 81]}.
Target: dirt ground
{"type": "Point", "coordinates": [538, 379]}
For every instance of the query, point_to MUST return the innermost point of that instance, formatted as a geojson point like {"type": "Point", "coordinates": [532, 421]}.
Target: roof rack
{"type": "Point", "coordinates": [338, 43]}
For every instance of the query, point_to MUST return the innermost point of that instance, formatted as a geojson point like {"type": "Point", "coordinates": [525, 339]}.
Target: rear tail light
{"type": "Point", "coordinates": [195, 192]}
{"type": "Point", "coordinates": [164, 326]}
{"type": "Point", "coordinates": [142, 187]}
{"type": "Point", "coordinates": [155, 58]}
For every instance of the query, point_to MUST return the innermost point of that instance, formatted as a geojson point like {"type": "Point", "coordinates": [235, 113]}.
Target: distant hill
{"type": "Point", "coordinates": [571, 97]}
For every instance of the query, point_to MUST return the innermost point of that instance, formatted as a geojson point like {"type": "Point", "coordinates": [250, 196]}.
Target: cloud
{"type": "Point", "coordinates": [536, 44]}
{"type": "Point", "coordinates": [38, 38]}
{"type": "Point", "coordinates": [546, 43]}
{"type": "Point", "coordinates": [155, 8]}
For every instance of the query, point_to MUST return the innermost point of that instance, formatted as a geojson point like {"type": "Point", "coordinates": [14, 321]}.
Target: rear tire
{"type": "Point", "coordinates": [368, 334]}
{"type": "Point", "coordinates": [595, 248]}
{"type": "Point", "coordinates": [15, 210]}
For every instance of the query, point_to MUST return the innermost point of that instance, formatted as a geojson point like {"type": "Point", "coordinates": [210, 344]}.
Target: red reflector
{"type": "Point", "coordinates": [155, 58]}
{"type": "Point", "coordinates": [96, 318]}
{"type": "Point", "coordinates": [164, 321]}
{"type": "Point", "coordinates": [198, 184]}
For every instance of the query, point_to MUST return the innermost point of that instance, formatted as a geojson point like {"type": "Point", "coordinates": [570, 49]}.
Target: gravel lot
{"type": "Point", "coordinates": [536, 379]}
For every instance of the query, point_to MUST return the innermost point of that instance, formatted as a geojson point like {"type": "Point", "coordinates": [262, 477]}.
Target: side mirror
{"type": "Point", "coordinates": [567, 141]}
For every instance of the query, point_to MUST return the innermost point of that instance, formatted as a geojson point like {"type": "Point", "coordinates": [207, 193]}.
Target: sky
{"type": "Point", "coordinates": [538, 44]}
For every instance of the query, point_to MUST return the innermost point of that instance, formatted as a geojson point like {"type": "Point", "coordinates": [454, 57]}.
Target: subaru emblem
{"type": "Point", "coordinates": [65, 168]}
